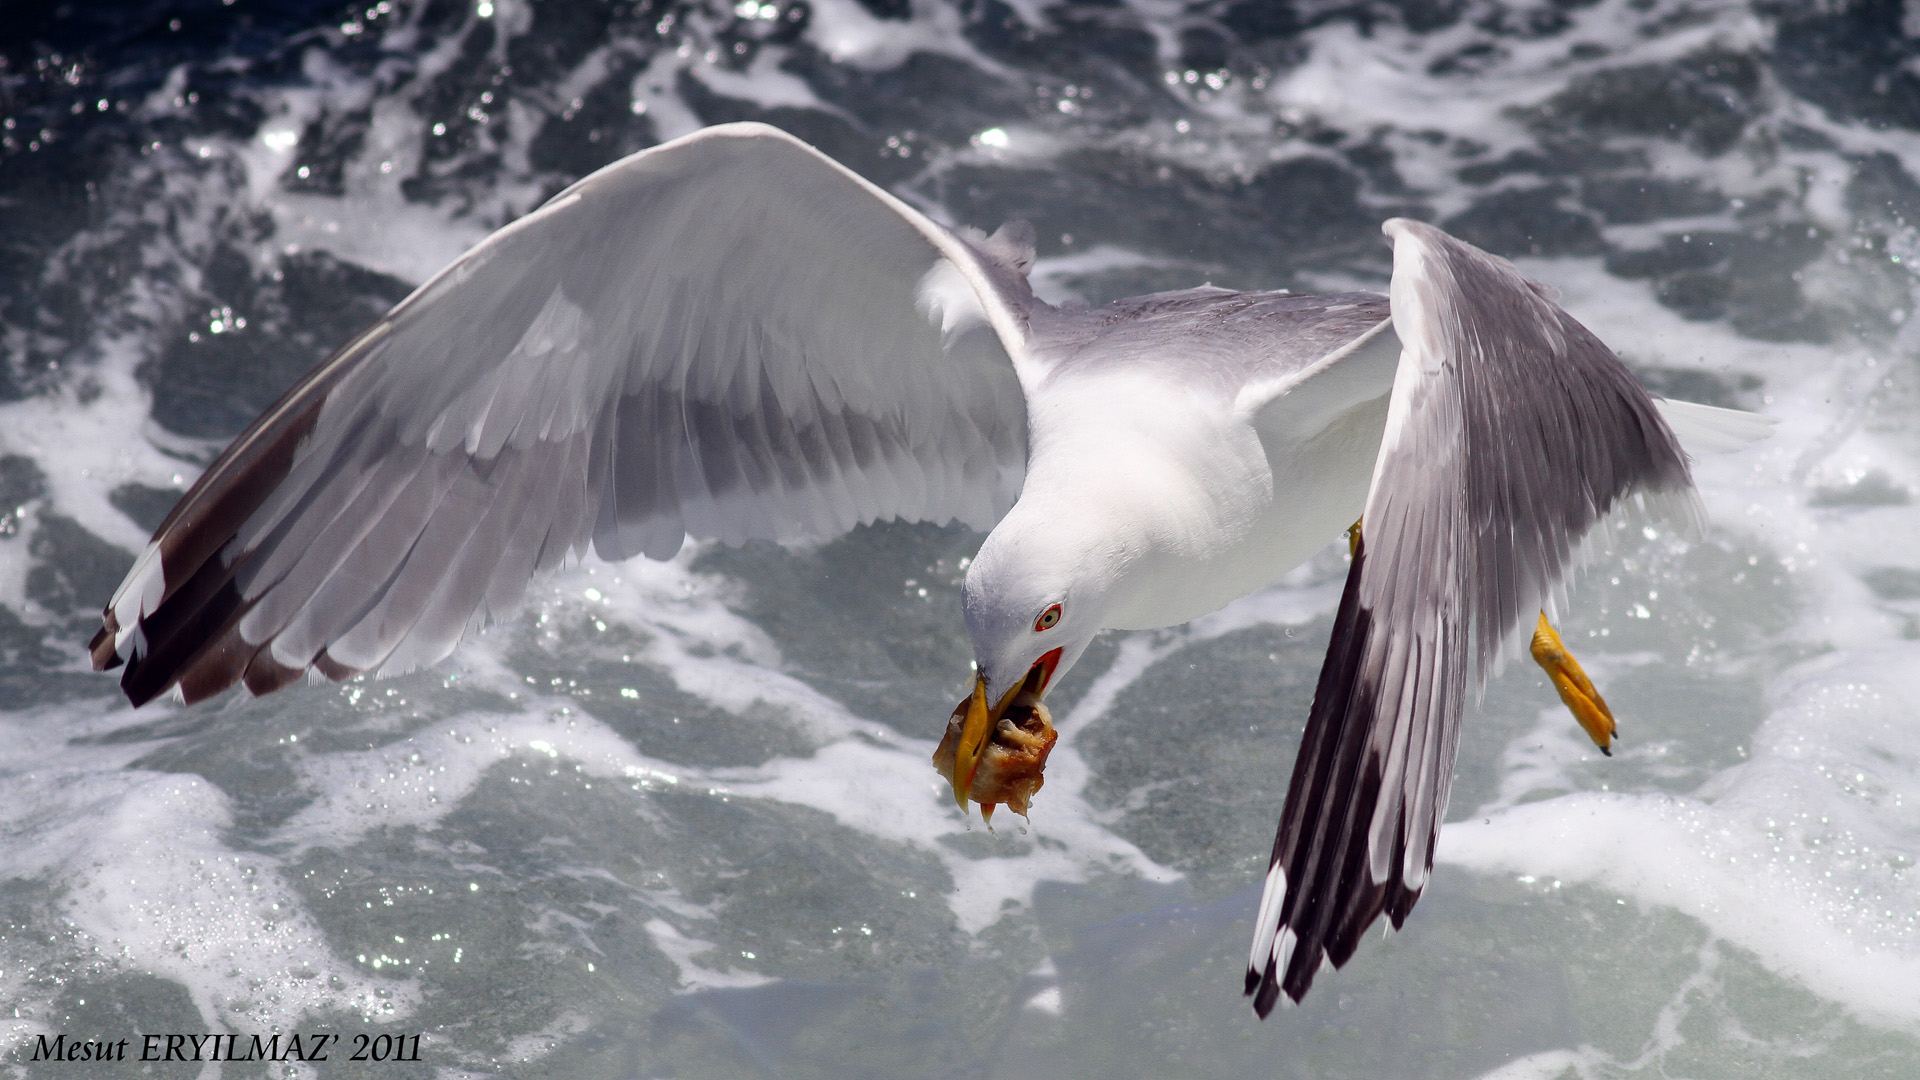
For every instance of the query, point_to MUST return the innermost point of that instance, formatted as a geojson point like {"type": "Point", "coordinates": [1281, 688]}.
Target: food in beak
{"type": "Point", "coordinates": [997, 755]}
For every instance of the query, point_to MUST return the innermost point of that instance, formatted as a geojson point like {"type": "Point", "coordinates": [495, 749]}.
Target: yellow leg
{"type": "Point", "coordinates": [1353, 537]}
{"type": "Point", "coordinates": [1576, 690]}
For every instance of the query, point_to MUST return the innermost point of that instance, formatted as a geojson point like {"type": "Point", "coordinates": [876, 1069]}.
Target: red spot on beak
{"type": "Point", "coordinates": [1047, 662]}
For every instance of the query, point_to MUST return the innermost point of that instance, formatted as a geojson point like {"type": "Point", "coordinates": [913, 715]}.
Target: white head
{"type": "Point", "coordinates": [1034, 597]}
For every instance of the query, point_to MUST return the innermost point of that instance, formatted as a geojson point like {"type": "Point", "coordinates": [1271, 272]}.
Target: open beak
{"type": "Point", "coordinates": [994, 753]}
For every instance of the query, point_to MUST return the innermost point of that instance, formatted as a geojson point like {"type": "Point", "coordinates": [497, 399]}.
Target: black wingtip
{"type": "Point", "coordinates": [1267, 994]}
{"type": "Point", "coordinates": [101, 649]}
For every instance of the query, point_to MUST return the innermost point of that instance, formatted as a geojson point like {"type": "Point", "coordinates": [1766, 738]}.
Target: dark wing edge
{"type": "Point", "coordinates": [568, 382]}
{"type": "Point", "coordinates": [144, 608]}
{"type": "Point", "coordinates": [1512, 432]}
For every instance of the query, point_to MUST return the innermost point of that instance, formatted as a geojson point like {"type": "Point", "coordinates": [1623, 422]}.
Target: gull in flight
{"type": "Point", "coordinates": [730, 336]}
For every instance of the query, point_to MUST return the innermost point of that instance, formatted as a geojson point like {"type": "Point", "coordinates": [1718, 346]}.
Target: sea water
{"type": "Point", "coordinates": [677, 819]}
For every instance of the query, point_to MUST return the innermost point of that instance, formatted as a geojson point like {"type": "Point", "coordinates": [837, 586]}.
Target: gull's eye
{"type": "Point", "coordinates": [1047, 619]}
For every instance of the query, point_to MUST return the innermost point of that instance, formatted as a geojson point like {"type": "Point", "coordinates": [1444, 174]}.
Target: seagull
{"type": "Point", "coordinates": [730, 336]}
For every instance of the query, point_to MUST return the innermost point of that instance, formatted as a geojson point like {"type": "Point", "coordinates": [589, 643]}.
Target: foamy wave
{"type": "Point", "coordinates": [1765, 788]}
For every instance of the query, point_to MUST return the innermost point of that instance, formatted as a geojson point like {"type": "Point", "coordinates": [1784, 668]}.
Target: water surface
{"type": "Point", "coordinates": [677, 820]}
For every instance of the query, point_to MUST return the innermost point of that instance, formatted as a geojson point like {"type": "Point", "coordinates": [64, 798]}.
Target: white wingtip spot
{"type": "Point", "coordinates": [131, 643]}
{"type": "Point", "coordinates": [1268, 921]}
{"type": "Point", "coordinates": [1283, 951]}
{"type": "Point", "coordinates": [139, 595]}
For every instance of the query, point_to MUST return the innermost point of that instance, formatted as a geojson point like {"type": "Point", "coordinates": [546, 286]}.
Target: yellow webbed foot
{"type": "Point", "coordinates": [1576, 690]}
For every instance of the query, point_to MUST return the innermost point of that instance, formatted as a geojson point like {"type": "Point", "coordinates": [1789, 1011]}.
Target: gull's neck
{"type": "Point", "coordinates": [1135, 485]}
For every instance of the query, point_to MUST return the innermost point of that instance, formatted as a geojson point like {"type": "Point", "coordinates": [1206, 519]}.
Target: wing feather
{"type": "Point", "coordinates": [719, 337]}
{"type": "Point", "coordinates": [1511, 432]}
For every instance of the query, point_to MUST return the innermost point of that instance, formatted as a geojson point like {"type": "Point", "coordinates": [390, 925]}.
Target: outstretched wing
{"type": "Point", "coordinates": [1512, 430]}
{"type": "Point", "coordinates": [728, 335]}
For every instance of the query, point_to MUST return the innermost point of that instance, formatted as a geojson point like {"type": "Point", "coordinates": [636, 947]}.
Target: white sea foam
{"type": "Point", "coordinates": [866, 777]}
{"type": "Point", "coordinates": [1802, 855]}
{"type": "Point", "coordinates": [148, 883]}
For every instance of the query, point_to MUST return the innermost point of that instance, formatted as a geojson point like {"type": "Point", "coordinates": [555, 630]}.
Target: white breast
{"type": "Point", "coordinates": [1180, 493]}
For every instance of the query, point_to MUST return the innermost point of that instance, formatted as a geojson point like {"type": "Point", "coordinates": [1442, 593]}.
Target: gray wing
{"type": "Point", "coordinates": [1257, 348]}
{"type": "Point", "coordinates": [724, 336]}
{"type": "Point", "coordinates": [1512, 430]}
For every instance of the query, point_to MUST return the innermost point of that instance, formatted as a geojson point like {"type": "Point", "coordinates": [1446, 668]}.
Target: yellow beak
{"type": "Point", "coordinates": [995, 753]}
{"type": "Point", "coordinates": [975, 733]}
